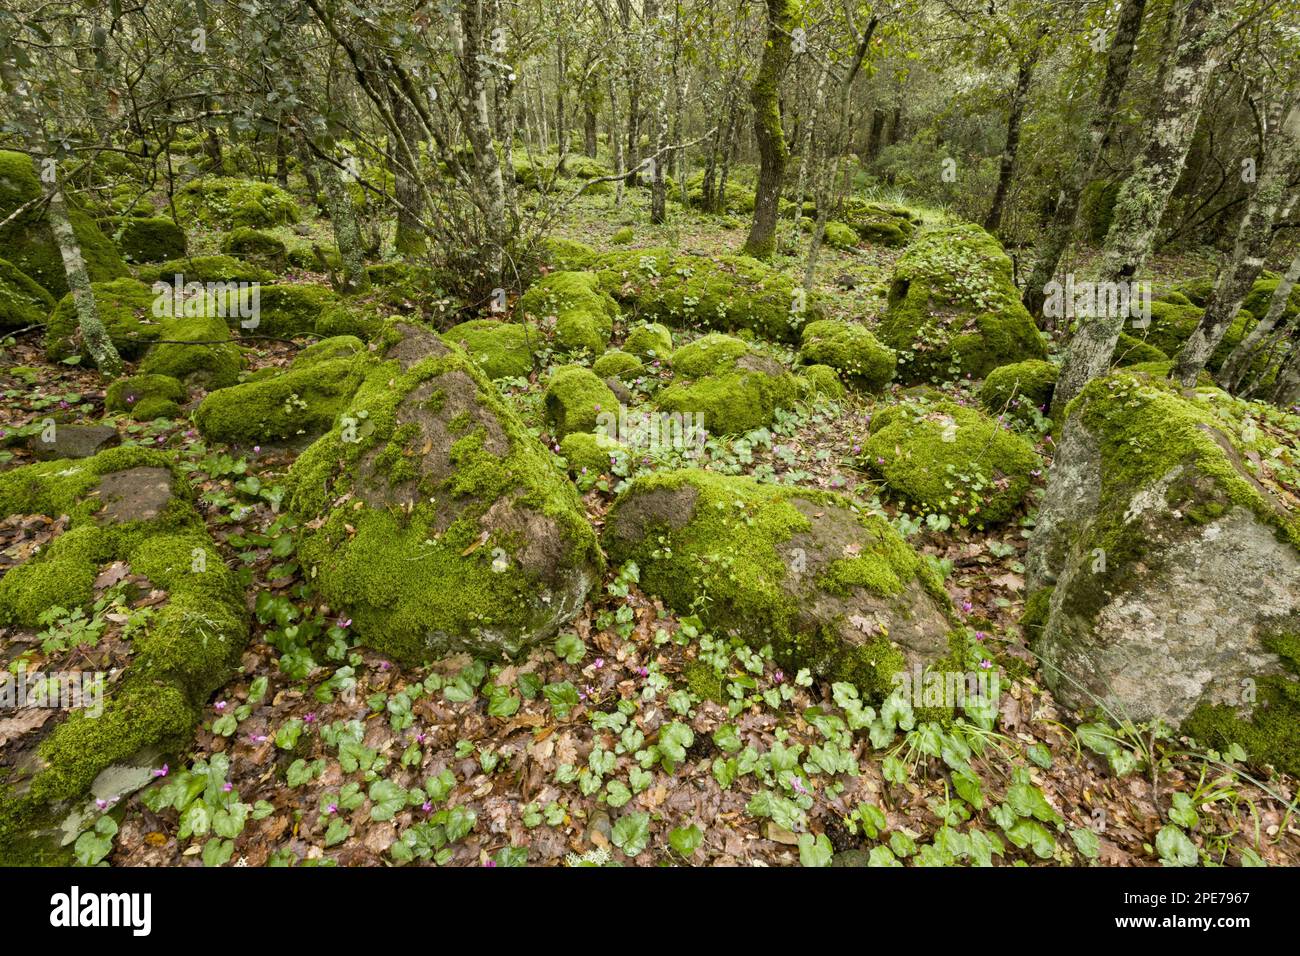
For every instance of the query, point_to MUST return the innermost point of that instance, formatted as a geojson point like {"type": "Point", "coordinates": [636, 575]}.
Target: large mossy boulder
{"type": "Point", "coordinates": [258, 247]}
{"type": "Point", "coordinates": [291, 310]}
{"type": "Point", "coordinates": [292, 406]}
{"type": "Point", "coordinates": [1173, 563]}
{"type": "Point", "coordinates": [879, 223]}
{"type": "Point", "coordinates": [145, 397]}
{"type": "Point", "coordinates": [126, 308]}
{"type": "Point", "coordinates": [849, 348]}
{"type": "Point", "coordinates": [945, 459]}
{"type": "Point", "coordinates": [830, 588]}
{"type": "Point", "coordinates": [23, 301]}
{"type": "Point", "coordinates": [1260, 297]}
{"type": "Point", "coordinates": [1020, 388]}
{"type": "Point", "coordinates": [204, 269]}
{"type": "Point", "coordinates": [500, 349]}
{"type": "Point", "coordinates": [734, 387]}
{"type": "Point", "coordinates": [126, 505]}
{"type": "Point", "coordinates": [722, 293]}
{"type": "Point", "coordinates": [28, 242]}
{"type": "Point", "coordinates": [1173, 324]}
{"type": "Point", "coordinates": [649, 341]}
{"type": "Point", "coordinates": [228, 202]}
{"type": "Point", "coordinates": [195, 350]}
{"type": "Point", "coordinates": [151, 239]}
{"type": "Point", "coordinates": [583, 314]}
{"type": "Point", "coordinates": [459, 533]}
{"type": "Point", "coordinates": [954, 309]}
{"type": "Point", "coordinates": [575, 397]}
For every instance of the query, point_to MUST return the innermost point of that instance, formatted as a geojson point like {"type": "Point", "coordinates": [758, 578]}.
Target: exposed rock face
{"type": "Point", "coordinates": [1175, 569]}
{"type": "Point", "coordinates": [833, 590]}
{"type": "Point", "coordinates": [73, 441]}
{"type": "Point", "coordinates": [442, 524]}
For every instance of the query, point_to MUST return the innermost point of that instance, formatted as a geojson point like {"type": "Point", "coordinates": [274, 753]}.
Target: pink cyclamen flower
{"type": "Point", "coordinates": [227, 787]}
{"type": "Point", "coordinates": [490, 863]}
{"type": "Point", "coordinates": [779, 677]}
{"type": "Point", "coordinates": [345, 622]}
{"type": "Point", "coordinates": [979, 635]}
{"type": "Point", "coordinates": [966, 607]}
{"type": "Point", "coordinates": [310, 718]}
{"type": "Point", "coordinates": [332, 808]}
{"type": "Point", "coordinates": [985, 665]}
{"type": "Point", "coordinates": [384, 665]}
{"type": "Point", "coordinates": [257, 449]}
{"type": "Point", "coordinates": [600, 662]}
{"type": "Point", "coordinates": [257, 738]}
{"type": "Point", "coordinates": [102, 804]}
{"type": "Point", "coordinates": [161, 772]}
{"type": "Point", "coordinates": [427, 806]}
{"type": "Point", "coordinates": [643, 671]}
{"type": "Point", "coordinates": [220, 705]}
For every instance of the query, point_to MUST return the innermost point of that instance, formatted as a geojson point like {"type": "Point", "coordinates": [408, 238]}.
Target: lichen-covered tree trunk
{"type": "Point", "coordinates": [1235, 368]}
{"type": "Point", "coordinates": [93, 334]}
{"type": "Point", "coordinates": [1254, 236]}
{"type": "Point", "coordinates": [409, 239]}
{"type": "Point", "coordinates": [1287, 389]}
{"type": "Point", "coordinates": [1011, 150]}
{"type": "Point", "coordinates": [765, 97]}
{"type": "Point", "coordinates": [467, 40]}
{"type": "Point", "coordinates": [1143, 196]}
{"type": "Point", "coordinates": [343, 220]}
{"type": "Point", "coordinates": [659, 78]}
{"type": "Point", "coordinates": [1081, 171]}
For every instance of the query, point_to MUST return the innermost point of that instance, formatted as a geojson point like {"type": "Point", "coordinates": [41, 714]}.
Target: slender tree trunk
{"type": "Point", "coordinates": [1286, 391]}
{"type": "Point", "coordinates": [467, 38]}
{"type": "Point", "coordinates": [1142, 198]}
{"type": "Point", "coordinates": [1234, 370]}
{"type": "Point", "coordinates": [409, 240]}
{"type": "Point", "coordinates": [1254, 236]}
{"type": "Point", "coordinates": [765, 96]}
{"type": "Point", "coordinates": [343, 220]}
{"type": "Point", "coordinates": [875, 133]}
{"type": "Point", "coordinates": [659, 79]}
{"type": "Point", "coordinates": [93, 333]}
{"type": "Point", "coordinates": [590, 101]}
{"type": "Point", "coordinates": [1010, 152]}
{"type": "Point", "coordinates": [281, 161]}
{"type": "Point", "coordinates": [1118, 60]}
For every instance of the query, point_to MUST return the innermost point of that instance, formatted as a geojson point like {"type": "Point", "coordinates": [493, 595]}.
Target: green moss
{"type": "Point", "coordinates": [862, 362]}
{"type": "Point", "coordinates": [946, 459]}
{"type": "Point", "coordinates": [204, 269]}
{"type": "Point", "coordinates": [589, 453]}
{"type": "Point", "coordinates": [1130, 350]}
{"type": "Point", "coordinates": [209, 365]}
{"type": "Point", "coordinates": [733, 387]}
{"type": "Point", "coordinates": [28, 242]}
{"type": "Point", "coordinates": [881, 224]}
{"type": "Point", "coordinates": [151, 239]}
{"type": "Point", "coordinates": [335, 347]}
{"type": "Point", "coordinates": [1260, 298]}
{"type": "Point", "coordinates": [722, 293]}
{"type": "Point", "coordinates": [622, 236]}
{"type": "Point", "coordinates": [145, 397]}
{"type": "Point", "coordinates": [840, 236]}
{"type": "Point", "coordinates": [23, 301]}
{"type": "Point", "coordinates": [348, 318]}
{"type": "Point", "coordinates": [649, 341]}
{"type": "Point", "coordinates": [1097, 208]}
{"type": "Point", "coordinates": [1196, 291]}
{"type": "Point", "coordinates": [383, 562]}
{"type": "Point", "coordinates": [1034, 617]}
{"type": "Point", "coordinates": [228, 202]}
{"type": "Point", "coordinates": [303, 401]}
{"type": "Point", "coordinates": [574, 398]}
{"type": "Point", "coordinates": [567, 254]}
{"type": "Point", "coordinates": [584, 315]}
{"type": "Point", "coordinates": [821, 380]}
{"type": "Point", "coordinates": [737, 198]}
{"type": "Point", "coordinates": [126, 309]}
{"type": "Point", "coordinates": [500, 349]}
{"type": "Point", "coordinates": [257, 247]}
{"type": "Point", "coordinates": [722, 545]}
{"type": "Point", "coordinates": [704, 682]}
{"type": "Point", "coordinates": [291, 310]}
{"type": "Point", "coordinates": [1172, 325]}
{"type": "Point", "coordinates": [954, 310]}
{"type": "Point", "coordinates": [1019, 388]}
{"type": "Point", "coordinates": [618, 364]}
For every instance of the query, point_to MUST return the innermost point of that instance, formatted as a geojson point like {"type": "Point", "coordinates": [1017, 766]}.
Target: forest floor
{"type": "Point", "coordinates": [532, 777]}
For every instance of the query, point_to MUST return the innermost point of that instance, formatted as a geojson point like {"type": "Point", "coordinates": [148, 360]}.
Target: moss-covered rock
{"type": "Point", "coordinates": [574, 398]}
{"type": "Point", "coordinates": [28, 243]}
{"type": "Point", "coordinates": [325, 350]}
{"type": "Point", "coordinates": [622, 237]}
{"type": "Point", "coordinates": [649, 341]}
{"type": "Point", "coordinates": [945, 459]}
{"type": "Point", "coordinates": [146, 397]}
{"type": "Point", "coordinates": [1172, 325]}
{"type": "Point", "coordinates": [618, 364]}
{"type": "Point", "coordinates": [953, 309]}
{"type": "Point", "coordinates": [1130, 350]}
{"type": "Point", "coordinates": [227, 202]}
{"type": "Point", "coordinates": [300, 403]}
{"type": "Point", "coordinates": [584, 315]}
{"type": "Point", "coordinates": [290, 310]}
{"type": "Point", "coordinates": [349, 318]}
{"type": "Point", "coordinates": [850, 349]}
{"type": "Point", "coordinates": [1261, 296]}
{"type": "Point", "coordinates": [567, 254]}
{"type": "Point", "coordinates": [830, 588]}
{"type": "Point", "coordinates": [1019, 388]}
{"type": "Point", "coordinates": [151, 239]}
{"type": "Point", "coordinates": [126, 308]}
{"type": "Point", "coordinates": [589, 453]}
{"type": "Point", "coordinates": [258, 247]}
{"type": "Point", "coordinates": [204, 269]}
{"type": "Point", "coordinates": [23, 301]}
{"type": "Point", "coordinates": [500, 349]}
{"type": "Point", "coordinates": [1176, 568]}
{"type": "Point", "coordinates": [881, 224]}
{"type": "Point", "coordinates": [820, 380]}
{"type": "Point", "coordinates": [733, 387]}
{"type": "Point", "coordinates": [722, 293]}
{"type": "Point", "coordinates": [130, 505]}
{"type": "Point", "coordinates": [465, 535]}
{"type": "Point", "coordinates": [197, 351]}
{"type": "Point", "coordinates": [840, 236]}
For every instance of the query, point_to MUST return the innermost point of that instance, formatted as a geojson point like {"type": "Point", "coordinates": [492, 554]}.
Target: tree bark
{"type": "Point", "coordinates": [1254, 236]}
{"type": "Point", "coordinates": [93, 334]}
{"type": "Point", "coordinates": [409, 240]}
{"type": "Point", "coordinates": [1118, 60]}
{"type": "Point", "coordinates": [1010, 152]}
{"type": "Point", "coordinates": [765, 96]}
{"type": "Point", "coordinates": [1143, 196]}
{"type": "Point", "coordinates": [343, 220]}
{"type": "Point", "coordinates": [1234, 370]}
